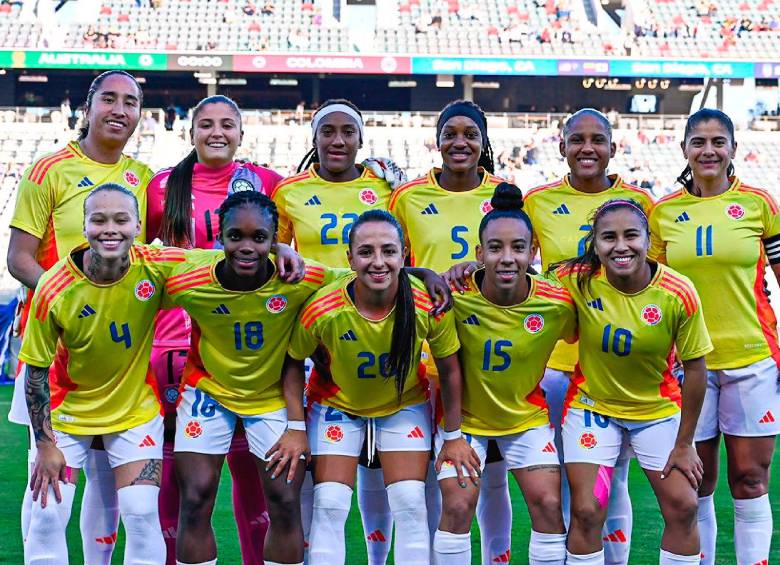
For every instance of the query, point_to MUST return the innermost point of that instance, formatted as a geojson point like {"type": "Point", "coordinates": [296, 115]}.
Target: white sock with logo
{"type": "Point", "coordinates": [708, 529]}
{"type": "Point", "coordinates": [46, 543]}
{"type": "Point", "coordinates": [547, 549]}
{"type": "Point", "coordinates": [752, 530]}
{"type": "Point", "coordinates": [331, 507]}
{"type": "Point", "coordinates": [451, 549]}
{"type": "Point", "coordinates": [375, 514]}
{"type": "Point", "coordinates": [494, 512]}
{"type": "Point", "coordinates": [99, 510]}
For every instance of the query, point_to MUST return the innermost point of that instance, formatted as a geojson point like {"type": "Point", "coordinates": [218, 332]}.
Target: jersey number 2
{"type": "Point", "coordinates": [332, 221]}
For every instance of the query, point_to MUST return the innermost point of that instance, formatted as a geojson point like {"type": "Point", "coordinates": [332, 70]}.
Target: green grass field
{"type": "Point", "coordinates": [644, 550]}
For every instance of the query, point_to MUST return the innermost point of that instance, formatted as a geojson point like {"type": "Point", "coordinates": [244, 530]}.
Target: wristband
{"type": "Point", "coordinates": [454, 434]}
{"type": "Point", "coordinates": [297, 425]}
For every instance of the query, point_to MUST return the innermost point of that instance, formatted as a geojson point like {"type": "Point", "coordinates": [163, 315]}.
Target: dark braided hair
{"type": "Point", "coordinates": [588, 264]}
{"type": "Point", "coordinates": [177, 213]}
{"type": "Point", "coordinates": [84, 127]}
{"type": "Point", "coordinates": [247, 199]}
{"type": "Point", "coordinates": [705, 115]}
{"type": "Point", "coordinates": [486, 160]}
{"type": "Point", "coordinates": [312, 157]}
{"type": "Point", "coordinates": [507, 202]}
{"type": "Point", "coordinates": [569, 123]}
{"type": "Point", "coordinates": [113, 187]}
{"type": "Point", "coordinates": [401, 358]}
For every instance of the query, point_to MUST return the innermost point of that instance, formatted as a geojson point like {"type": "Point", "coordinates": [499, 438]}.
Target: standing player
{"type": "Point", "coordinates": [560, 213]}
{"type": "Point", "coordinates": [97, 304]}
{"type": "Point", "coordinates": [371, 328]}
{"type": "Point", "coordinates": [47, 224]}
{"type": "Point", "coordinates": [634, 317]}
{"type": "Point", "coordinates": [182, 211]}
{"type": "Point", "coordinates": [317, 208]}
{"type": "Point", "coordinates": [243, 315]}
{"type": "Point", "coordinates": [717, 229]}
{"type": "Point", "coordinates": [440, 214]}
{"type": "Point", "coordinates": [508, 323]}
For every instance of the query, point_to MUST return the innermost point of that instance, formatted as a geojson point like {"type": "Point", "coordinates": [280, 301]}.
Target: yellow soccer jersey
{"type": "Point", "coordinates": [317, 215]}
{"type": "Point", "coordinates": [561, 217]}
{"type": "Point", "coordinates": [504, 350]}
{"type": "Point", "coordinates": [100, 339]}
{"type": "Point", "coordinates": [50, 199]}
{"type": "Point", "coordinates": [717, 243]}
{"type": "Point", "coordinates": [627, 344]}
{"type": "Point", "coordinates": [358, 347]}
{"type": "Point", "coordinates": [239, 339]}
{"type": "Point", "coordinates": [441, 226]}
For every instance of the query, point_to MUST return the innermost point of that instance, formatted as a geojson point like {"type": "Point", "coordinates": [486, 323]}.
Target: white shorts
{"type": "Point", "coordinates": [18, 413]}
{"type": "Point", "coordinates": [332, 432]}
{"type": "Point", "coordinates": [592, 438]}
{"type": "Point", "coordinates": [203, 425]}
{"type": "Point", "coordinates": [742, 402]}
{"type": "Point", "coordinates": [136, 444]}
{"type": "Point", "coordinates": [530, 447]}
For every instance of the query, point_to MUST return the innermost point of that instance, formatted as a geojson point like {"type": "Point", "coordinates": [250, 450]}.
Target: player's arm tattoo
{"type": "Point", "coordinates": [39, 402]}
{"type": "Point", "coordinates": [149, 474]}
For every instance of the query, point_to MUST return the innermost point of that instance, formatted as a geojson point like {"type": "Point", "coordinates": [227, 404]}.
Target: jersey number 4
{"type": "Point", "coordinates": [123, 337]}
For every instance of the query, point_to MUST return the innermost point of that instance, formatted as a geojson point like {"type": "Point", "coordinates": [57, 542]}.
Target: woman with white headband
{"type": "Point", "coordinates": [317, 208]}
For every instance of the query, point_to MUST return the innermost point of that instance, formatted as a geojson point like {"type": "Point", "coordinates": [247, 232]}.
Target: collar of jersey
{"type": "Point", "coordinates": [82, 275]}
{"type": "Point", "coordinates": [653, 280]}
{"type": "Point", "coordinates": [363, 175]}
{"type": "Point", "coordinates": [351, 303]}
{"type": "Point", "coordinates": [478, 291]}
{"type": "Point", "coordinates": [433, 182]}
{"type": "Point", "coordinates": [735, 184]}
{"type": "Point", "coordinates": [213, 272]}
{"type": "Point", "coordinates": [616, 182]}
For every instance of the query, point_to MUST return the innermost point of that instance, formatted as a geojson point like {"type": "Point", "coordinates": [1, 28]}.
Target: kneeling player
{"type": "Point", "coordinates": [508, 323]}
{"type": "Point", "coordinates": [371, 328]}
{"type": "Point", "coordinates": [94, 311]}
{"type": "Point", "coordinates": [633, 313]}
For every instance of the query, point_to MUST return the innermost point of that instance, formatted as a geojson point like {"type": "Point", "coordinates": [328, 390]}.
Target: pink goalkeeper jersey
{"type": "Point", "coordinates": [209, 188]}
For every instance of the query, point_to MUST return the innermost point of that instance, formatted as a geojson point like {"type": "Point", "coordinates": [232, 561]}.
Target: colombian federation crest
{"type": "Point", "coordinates": [485, 207]}
{"type": "Point", "coordinates": [276, 304]}
{"type": "Point", "coordinates": [588, 441]}
{"type": "Point", "coordinates": [533, 323]}
{"type": "Point", "coordinates": [735, 211]}
{"type": "Point", "coordinates": [132, 179]}
{"type": "Point", "coordinates": [144, 290]}
{"type": "Point", "coordinates": [368, 196]}
{"type": "Point", "coordinates": [193, 429]}
{"type": "Point", "coordinates": [334, 434]}
{"type": "Point", "coordinates": [651, 314]}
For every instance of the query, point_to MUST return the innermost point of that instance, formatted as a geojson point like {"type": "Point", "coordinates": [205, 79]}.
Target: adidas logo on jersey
{"type": "Point", "coordinates": [597, 304]}
{"type": "Point", "coordinates": [430, 209]}
{"type": "Point", "coordinates": [767, 418]}
{"type": "Point", "coordinates": [471, 320]}
{"type": "Point", "coordinates": [376, 535]}
{"type": "Point", "coordinates": [616, 536]}
{"type": "Point", "coordinates": [85, 182]}
{"type": "Point", "coordinates": [86, 311]}
{"type": "Point", "coordinates": [313, 201]}
{"type": "Point", "coordinates": [147, 442]}
{"type": "Point", "coordinates": [503, 558]}
{"type": "Point", "coordinates": [562, 209]}
{"type": "Point", "coordinates": [221, 309]}
{"type": "Point", "coordinates": [416, 433]}
{"type": "Point", "coordinates": [549, 448]}
{"type": "Point", "coordinates": [684, 217]}
{"type": "Point", "coordinates": [348, 336]}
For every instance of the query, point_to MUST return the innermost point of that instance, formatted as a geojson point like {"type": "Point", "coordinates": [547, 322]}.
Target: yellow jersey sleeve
{"type": "Point", "coordinates": [693, 339]}
{"type": "Point", "coordinates": [34, 205]}
{"type": "Point", "coordinates": [42, 333]}
{"type": "Point", "coordinates": [657, 250]}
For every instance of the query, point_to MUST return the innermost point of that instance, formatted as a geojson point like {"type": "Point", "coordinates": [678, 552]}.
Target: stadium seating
{"type": "Point", "coordinates": [661, 28]}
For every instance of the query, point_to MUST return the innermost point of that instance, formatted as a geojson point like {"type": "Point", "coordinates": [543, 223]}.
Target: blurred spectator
{"type": "Point", "coordinates": [249, 8]}
{"type": "Point", "coordinates": [297, 39]}
{"type": "Point", "coordinates": [268, 8]}
{"type": "Point", "coordinates": [170, 117]}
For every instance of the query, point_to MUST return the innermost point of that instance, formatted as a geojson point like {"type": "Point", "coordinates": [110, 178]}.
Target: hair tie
{"type": "Point", "coordinates": [343, 108]}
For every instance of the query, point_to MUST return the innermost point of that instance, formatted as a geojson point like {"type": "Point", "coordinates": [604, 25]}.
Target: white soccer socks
{"type": "Point", "coordinates": [375, 514]}
{"type": "Point", "coordinates": [412, 539]}
{"type": "Point", "coordinates": [99, 510]}
{"type": "Point", "coordinates": [752, 530]}
{"type": "Point", "coordinates": [212, 562]}
{"type": "Point", "coordinates": [138, 506]}
{"type": "Point", "coordinates": [595, 558]}
{"type": "Point", "coordinates": [708, 529]}
{"type": "Point", "coordinates": [547, 549]}
{"type": "Point", "coordinates": [331, 507]}
{"type": "Point", "coordinates": [668, 558]}
{"type": "Point", "coordinates": [617, 527]}
{"type": "Point", "coordinates": [451, 549]}
{"type": "Point", "coordinates": [494, 513]}
{"type": "Point", "coordinates": [46, 544]}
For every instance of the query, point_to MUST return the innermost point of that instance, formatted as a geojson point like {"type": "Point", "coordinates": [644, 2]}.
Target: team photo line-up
{"type": "Point", "coordinates": [344, 329]}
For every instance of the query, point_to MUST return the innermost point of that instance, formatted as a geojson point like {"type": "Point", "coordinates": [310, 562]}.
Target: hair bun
{"type": "Point", "coordinates": [507, 196]}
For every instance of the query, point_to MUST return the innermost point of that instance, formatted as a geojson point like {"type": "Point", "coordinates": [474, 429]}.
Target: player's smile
{"type": "Point", "coordinates": [116, 108]}
{"type": "Point", "coordinates": [587, 147]}
{"type": "Point", "coordinates": [621, 243]}
{"type": "Point", "coordinates": [216, 134]}
{"type": "Point", "coordinates": [247, 238]}
{"type": "Point", "coordinates": [376, 256]}
{"type": "Point", "coordinates": [460, 143]}
{"type": "Point", "coordinates": [110, 224]}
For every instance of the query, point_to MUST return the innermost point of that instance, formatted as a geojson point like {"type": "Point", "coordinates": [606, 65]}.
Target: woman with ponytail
{"type": "Point", "coordinates": [508, 322]}
{"type": "Point", "coordinates": [182, 212]}
{"type": "Point", "coordinates": [46, 225]}
{"type": "Point", "coordinates": [440, 214]}
{"type": "Point", "coordinates": [721, 233]}
{"type": "Point", "coordinates": [634, 317]}
{"type": "Point", "coordinates": [369, 329]}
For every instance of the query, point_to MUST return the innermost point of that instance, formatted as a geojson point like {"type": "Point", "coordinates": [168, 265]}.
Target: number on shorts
{"type": "Point", "coordinates": [621, 341]}
{"type": "Point", "coordinates": [332, 415]}
{"type": "Point", "coordinates": [590, 417]}
{"type": "Point", "coordinates": [495, 348]}
{"type": "Point", "coordinates": [251, 337]}
{"type": "Point", "coordinates": [206, 404]}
